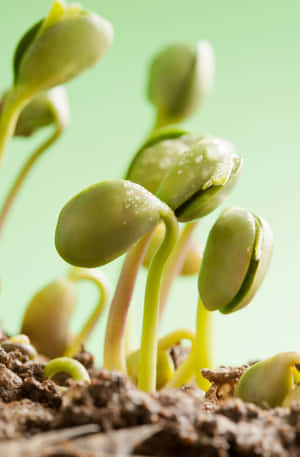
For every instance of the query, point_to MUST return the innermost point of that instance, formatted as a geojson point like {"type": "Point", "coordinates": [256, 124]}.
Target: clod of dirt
{"type": "Point", "coordinates": [224, 380]}
{"type": "Point", "coordinates": [23, 418]}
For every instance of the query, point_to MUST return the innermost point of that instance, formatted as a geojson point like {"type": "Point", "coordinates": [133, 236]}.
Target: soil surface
{"type": "Point", "coordinates": [187, 422]}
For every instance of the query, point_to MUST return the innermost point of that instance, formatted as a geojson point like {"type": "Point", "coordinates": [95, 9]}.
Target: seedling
{"type": "Point", "coordinates": [46, 108]}
{"type": "Point", "coordinates": [102, 223]}
{"type": "Point", "coordinates": [69, 366]}
{"type": "Point", "coordinates": [235, 261]}
{"type": "Point", "coordinates": [270, 383]}
{"type": "Point", "coordinates": [21, 343]}
{"type": "Point", "coordinates": [53, 51]}
{"type": "Point", "coordinates": [47, 317]}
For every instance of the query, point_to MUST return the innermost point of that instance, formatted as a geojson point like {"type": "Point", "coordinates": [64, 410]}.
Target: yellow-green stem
{"type": "Point", "coordinates": [130, 334]}
{"type": "Point", "coordinates": [201, 355]}
{"type": "Point", "coordinates": [203, 344]}
{"type": "Point", "coordinates": [148, 358]}
{"type": "Point", "coordinates": [66, 365]}
{"type": "Point", "coordinates": [175, 263]}
{"type": "Point", "coordinates": [161, 121]}
{"type": "Point", "coordinates": [185, 373]}
{"type": "Point", "coordinates": [114, 346]}
{"type": "Point", "coordinates": [14, 104]}
{"type": "Point", "coordinates": [169, 340]}
{"type": "Point", "coordinates": [11, 196]}
{"type": "Point", "coordinates": [97, 277]}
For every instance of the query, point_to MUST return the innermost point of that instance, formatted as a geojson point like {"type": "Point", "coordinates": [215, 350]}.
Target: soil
{"type": "Point", "coordinates": [183, 422]}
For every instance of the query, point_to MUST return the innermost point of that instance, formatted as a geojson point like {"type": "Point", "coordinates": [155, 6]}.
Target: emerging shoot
{"type": "Point", "coordinates": [100, 224]}
{"type": "Point", "coordinates": [69, 366]}
{"type": "Point", "coordinates": [269, 383]}
{"type": "Point", "coordinates": [22, 343]}
{"type": "Point", "coordinates": [235, 261]}
{"type": "Point", "coordinates": [47, 317]}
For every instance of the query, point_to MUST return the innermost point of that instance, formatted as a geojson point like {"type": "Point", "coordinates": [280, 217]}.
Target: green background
{"type": "Point", "coordinates": [255, 104]}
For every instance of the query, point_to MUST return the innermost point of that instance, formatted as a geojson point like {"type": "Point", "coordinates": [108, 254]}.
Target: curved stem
{"type": "Point", "coordinates": [99, 279]}
{"type": "Point", "coordinates": [14, 103]}
{"type": "Point", "coordinates": [114, 346]}
{"type": "Point", "coordinates": [22, 343]}
{"type": "Point", "coordinates": [169, 340]}
{"type": "Point", "coordinates": [147, 366]}
{"type": "Point", "coordinates": [185, 373]}
{"type": "Point", "coordinates": [163, 359]}
{"type": "Point", "coordinates": [200, 355]}
{"type": "Point", "coordinates": [66, 365]}
{"type": "Point", "coordinates": [12, 194]}
{"type": "Point", "coordinates": [175, 264]}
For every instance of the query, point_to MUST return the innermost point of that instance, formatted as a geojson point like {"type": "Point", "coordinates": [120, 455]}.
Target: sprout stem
{"type": "Point", "coordinates": [148, 358]}
{"type": "Point", "coordinates": [203, 344]}
{"type": "Point", "coordinates": [160, 121]}
{"type": "Point", "coordinates": [184, 373]}
{"type": "Point", "coordinates": [175, 263]}
{"type": "Point", "coordinates": [114, 346]}
{"type": "Point", "coordinates": [130, 334]}
{"type": "Point", "coordinates": [200, 355]}
{"type": "Point", "coordinates": [97, 277]}
{"type": "Point", "coordinates": [169, 340]}
{"type": "Point", "coordinates": [12, 194]}
{"type": "Point", "coordinates": [14, 104]}
{"type": "Point", "coordinates": [66, 365]}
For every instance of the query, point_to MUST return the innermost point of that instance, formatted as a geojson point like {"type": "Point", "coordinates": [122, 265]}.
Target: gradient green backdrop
{"type": "Point", "coordinates": [255, 104]}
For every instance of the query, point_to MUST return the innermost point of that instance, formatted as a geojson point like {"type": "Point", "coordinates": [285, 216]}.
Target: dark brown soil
{"type": "Point", "coordinates": [189, 423]}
